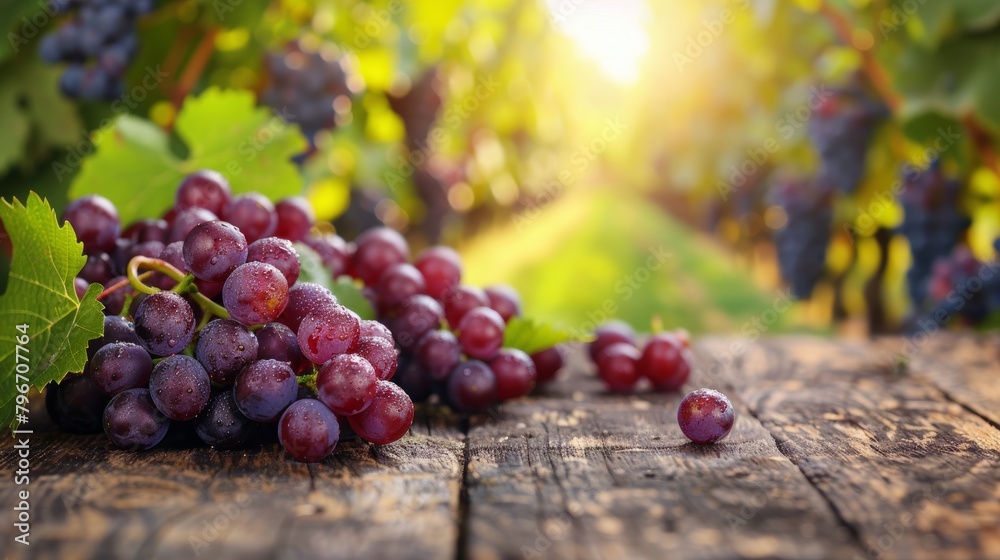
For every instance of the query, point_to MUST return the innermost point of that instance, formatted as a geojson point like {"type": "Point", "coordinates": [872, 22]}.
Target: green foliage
{"type": "Point", "coordinates": [347, 293]}
{"type": "Point", "coordinates": [41, 295]}
{"type": "Point", "coordinates": [136, 169]}
{"type": "Point", "coordinates": [530, 335]}
{"type": "Point", "coordinates": [36, 117]}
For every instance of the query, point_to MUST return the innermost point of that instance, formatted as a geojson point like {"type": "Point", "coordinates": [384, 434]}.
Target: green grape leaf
{"type": "Point", "coordinates": [311, 267]}
{"type": "Point", "coordinates": [135, 168]}
{"type": "Point", "coordinates": [39, 118]}
{"type": "Point", "coordinates": [531, 335]}
{"type": "Point", "coordinates": [41, 296]}
{"type": "Point", "coordinates": [348, 294]}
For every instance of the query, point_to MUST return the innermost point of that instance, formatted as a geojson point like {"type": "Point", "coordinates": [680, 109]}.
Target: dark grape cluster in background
{"type": "Point", "coordinates": [841, 130]}
{"type": "Point", "coordinates": [801, 244]}
{"type": "Point", "coordinates": [97, 44]}
{"type": "Point", "coordinates": [306, 88]}
{"type": "Point", "coordinates": [933, 223]}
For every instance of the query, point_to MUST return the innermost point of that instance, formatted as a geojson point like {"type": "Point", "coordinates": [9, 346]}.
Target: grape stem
{"type": "Point", "coordinates": [187, 280]}
{"type": "Point", "coordinates": [115, 287]}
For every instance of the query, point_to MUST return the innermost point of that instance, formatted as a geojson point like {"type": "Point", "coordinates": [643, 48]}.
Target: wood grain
{"type": "Point", "coordinates": [836, 453]}
{"type": "Point", "coordinates": [913, 474]}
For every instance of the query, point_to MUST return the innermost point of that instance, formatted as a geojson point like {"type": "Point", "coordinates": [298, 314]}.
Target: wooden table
{"type": "Point", "coordinates": [838, 452]}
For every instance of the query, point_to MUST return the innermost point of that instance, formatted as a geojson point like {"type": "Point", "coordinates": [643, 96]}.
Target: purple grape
{"type": "Point", "coordinates": [480, 332]}
{"type": "Point", "coordinates": [415, 317]}
{"type": "Point", "coordinates": [380, 353]}
{"type": "Point", "coordinates": [376, 329]}
{"type": "Point", "coordinates": [120, 366]}
{"type": "Point", "coordinates": [115, 301]}
{"type": "Point", "coordinates": [515, 372]}
{"type": "Point", "coordinates": [278, 342]}
{"type": "Point", "coordinates": [99, 269]}
{"type": "Point", "coordinates": [346, 384]}
{"type": "Point", "coordinates": [147, 230]}
{"type": "Point", "coordinates": [80, 286]}
{"type": "Point", "coordinates": [387, 418]}
{"type": "Point", "coordinates": [164, 323]}
{"type": "Point", "coordinates": [377, 250]}
{"type": "Point", "coordinates": [204, 189]}
{"type": "Point", "coordinates": [441, 268]}
{"type": "Point", "coordinates": [308, 431]}
{"type": "Point", "coordinates": [213, 250]}
{"type": "Point", "coordinates": [132, 421]}
{"type": "Point", "coordinates": [462, 299]}
{"type": "Point", "coordinates": [472, 387]}
{"type": "Point", "coordinates": [180, 387]}
{"type": "Point", "coordinates": [505, 301]}
{"type": "Point", "coordinates": [413, 379]}
{"type": "Point", "coordinates": [95, 221]}
{"type": "Point", "coordinates": [279, 253]}
{"type": "Point", "coordinates": [116, 329]}
{"type": "Point", "coordinates": [664, 362]}
{"type": "Point", "coordinates": [305, 298]}
{"type": "Point", "coordinates": [438, 352]}
{"type": "Point", "coordinates": [76, 404]}
{"type": "Point", "coordinates": [187, 219]}
{"type": "Point", "coordinates": [264, 389]}
{"type": "Point", "coordinates": [610, 333]}
{"type": "Point", "coordinates": [224, 348]}
{"type": "Point", "coordinates": [328, 332]}
{"type": "Point", "coordinates": [617, 366]}
{"type": "Point", "coordinates": [547, 364]}
{"type": "Point", "coordinates": [221, 424]}
{"type": "Point", "coordinates": [295, 218]}
{"type": "Point", "coordinates": [397, 283]}
{"type": "Point", "coordinates": [706, 416]}
{"type": "Point", "coordinates": [333, 251]}
{"type": "Point", "coordinates": [255, 293]}
{"type": "Point", "coordinates": [254, 214]}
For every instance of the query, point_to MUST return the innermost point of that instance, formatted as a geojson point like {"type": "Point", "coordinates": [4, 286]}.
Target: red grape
{"type": "Point", "coordinates": [328, 332]}
{"type": "Point", "coordinates": [415, 317]}
{"type": "Point", "coordinates": [377, 250]}
{"type": "Point", "coordinates": [308, 431]}
{"type": "Point", "coordinates": [665, 362]}
{"type": "Point", "coordinates": [95, 221]}
{"type": "Point", "coordinates": [438, 352]}
{"type": "Point", "coordinates": [213, 250]}
{"type": "Point", "coordinates": [480, 333]}
{"type": "Point", "coordinates": [380, 353]}
{"type": "Point", "coordinates": [305, 298]}
{"type": "Point", "coordinates": [610, 333]}
{"type": "Point", "coordinates": [132, 421]}
{"type": "Point", "coordinates": [204, 189]}
{"type": "Point", "coordinates": [472, 386]}
{"type": "Point", "coordinates": [254, 214]}
{"type": "Point", "coordinates": [397, 283]}
{"type": "Point", "coordinates": [255, 293]}
{"type": "Point", "coordinates": [388, 418]}
{"type": "Point", "coordinates": [279, 253]}
{"type": "Point", "coordinates": [441, 268]}
{"type": "Point", "coordinates": [180, 387]}
{"type": "Point", "coordinates": [504, 300]}
{"type": "Point", "coordinates": [346, 384]}
{"type": "Point", "coordinates": [706, 416]}
{"type": "Point", "coordinates": [462, 299]}
{"type": "Point", "coordinates": [547, 364]}
{"type": "Point", "coordinates": [295, 218]}
{"type": "Point", "coordinates": [617, 365]}
{"type": "Point", "coordinates": [515, 373]}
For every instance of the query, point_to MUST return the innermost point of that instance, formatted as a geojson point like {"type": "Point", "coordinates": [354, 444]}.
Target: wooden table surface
{"type": "Point", "coordinates": [837, 452]}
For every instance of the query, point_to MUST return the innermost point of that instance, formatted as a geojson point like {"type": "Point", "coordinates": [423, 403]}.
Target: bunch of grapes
{"type": "Point", "coordinates": [801, 244]}
{"type": "Point", "coordinates": [97, 44]}
{"type": "Point", "coordinates": [841, 128]}
{"type": "Point", "coordinates": [451, 335]}
{"type": "Point", "coordinates": [219, 335]}
{"type": "Point", "coordinates": [307, 88]}
{"type": "Point", "coordinates": [933, 223]}
{"type": "Point", "coordinates": [665, 361]}
{"type": "Point", "coordinates": [962, 286]}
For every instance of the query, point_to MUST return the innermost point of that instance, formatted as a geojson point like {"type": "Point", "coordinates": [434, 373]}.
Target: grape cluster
{"type": "Point", "coordinates": [222, 336]}
{"type": "Point", "coordinates": [961, 286]}
{"type": "Point", "coordinates": [97, 44]}
{"type": "Point", "coordinates": [305, 86]}
{"type": "Point", "coordinates": [665, 362]}
{"type": "Point", "coordinates": [933, 223]}
{"type": "Point", "coordinates": [801, 244]}
{"type": "Point", "coordinates": [841, 129]}
{"type": "Point", "coordinates": [450, 335]}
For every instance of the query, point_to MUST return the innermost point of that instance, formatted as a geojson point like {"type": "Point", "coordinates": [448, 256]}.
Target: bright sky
{"type": "Point", "coordinates": [611, 32]}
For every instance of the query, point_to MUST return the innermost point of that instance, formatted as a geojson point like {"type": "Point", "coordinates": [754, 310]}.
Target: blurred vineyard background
{"type": "Point", "coordinates": [645, 160]}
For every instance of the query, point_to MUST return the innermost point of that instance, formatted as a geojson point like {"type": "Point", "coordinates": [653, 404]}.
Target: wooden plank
{"type": "Point", "coordinates": [913, 474]}
{"type": "Point", "coordinates": [91, 501]}
{"type": "Point", "coordinates": [576, 473]}
{"type": "Point", "coordinates": [965, 367]}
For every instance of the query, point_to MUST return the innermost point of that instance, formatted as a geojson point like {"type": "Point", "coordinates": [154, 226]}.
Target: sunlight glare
{"type": "Point", "coordinates": [611, 32]}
